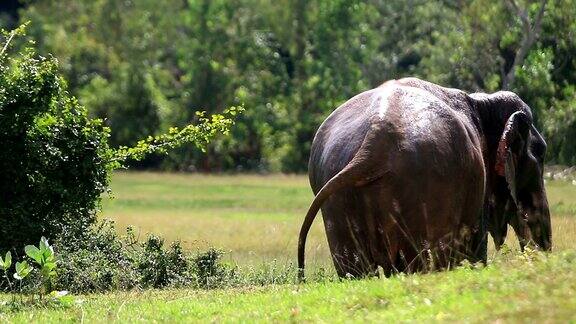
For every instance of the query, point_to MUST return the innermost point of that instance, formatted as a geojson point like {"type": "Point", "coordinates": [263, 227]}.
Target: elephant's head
{"type": "Point", "coordinates": [515, 151]}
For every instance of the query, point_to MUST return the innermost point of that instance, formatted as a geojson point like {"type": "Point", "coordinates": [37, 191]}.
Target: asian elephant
{"type": "Point", "coordinates": [410, 176]}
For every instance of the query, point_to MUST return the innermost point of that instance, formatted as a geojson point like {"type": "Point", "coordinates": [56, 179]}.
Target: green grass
{"type": "Point", "coordinates": [257, 219]}
{"type": "Point", "coordinates": [254, 218]}
{"type": "Point", "coordinates": [532, 287]}
{"type": "Point", "coordinates": [562, 200]}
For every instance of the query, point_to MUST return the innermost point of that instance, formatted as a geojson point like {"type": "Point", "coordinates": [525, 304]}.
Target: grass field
{"type": "Point", "coordinates": [253, 218]}
{"type": "Point", "coordinates": [528, 288]}
{"type": "Point", "coordinates": [257, 219]}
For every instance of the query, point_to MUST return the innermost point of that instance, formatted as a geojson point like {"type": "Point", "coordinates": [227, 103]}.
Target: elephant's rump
{"type": "Point", "coordinates": [400, 225]}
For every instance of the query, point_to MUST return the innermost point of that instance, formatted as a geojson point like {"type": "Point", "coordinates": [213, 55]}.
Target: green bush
{"type": "Point", "coordinates": [97, 261]}
{"type": "Point", "coordinates": [54, 159]}
{"type": "Point", "coordinates": [209, 272]}
{"type": "Point", "coordinates": [160, 268]}
{"type": "Point", "coordinates": [103, 261]}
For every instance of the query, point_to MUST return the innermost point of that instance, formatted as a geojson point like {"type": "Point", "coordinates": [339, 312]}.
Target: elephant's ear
{"type": "Point", "coordinates": [512, 146]}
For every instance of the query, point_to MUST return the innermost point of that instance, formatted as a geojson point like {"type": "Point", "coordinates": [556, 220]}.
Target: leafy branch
{"type": "Point", "coordinates": [20, 31]}
{"type": "Point", "coordinates": [199, 134]}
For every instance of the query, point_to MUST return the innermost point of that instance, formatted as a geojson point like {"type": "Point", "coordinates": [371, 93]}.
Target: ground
{"type": "Point", "coordinates": [257, 218]}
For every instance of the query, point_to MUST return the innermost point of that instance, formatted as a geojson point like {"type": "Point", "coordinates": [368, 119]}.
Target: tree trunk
{"type": "Point", "coordinates": [530, 33]}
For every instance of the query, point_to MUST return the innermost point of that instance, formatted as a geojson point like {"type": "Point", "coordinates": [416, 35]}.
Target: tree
{"type": "Point", "coordinates": [146, 65]}
{"type": "Point", "coordinates": [530, 32]}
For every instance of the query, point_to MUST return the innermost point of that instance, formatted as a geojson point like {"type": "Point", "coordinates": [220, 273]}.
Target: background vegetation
{"type": "Point", "coordinates": [56, 160]}
{"type": "Point", "coordinates": [147, 65]}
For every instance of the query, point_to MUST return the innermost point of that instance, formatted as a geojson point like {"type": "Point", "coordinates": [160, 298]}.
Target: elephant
{"type": "Point", "coordinates": [411, 176]}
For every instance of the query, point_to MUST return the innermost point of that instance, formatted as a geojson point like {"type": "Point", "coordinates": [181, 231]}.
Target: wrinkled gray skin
{"type": "Point", "coordinates": [410, 176]}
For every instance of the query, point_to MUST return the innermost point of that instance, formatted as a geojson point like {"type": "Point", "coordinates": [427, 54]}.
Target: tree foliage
{"type": "Point", "coordinates": [146, 65]}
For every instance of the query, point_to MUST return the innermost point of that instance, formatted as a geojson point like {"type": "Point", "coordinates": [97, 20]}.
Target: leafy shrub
{"type": "Point", "coordinates": [55, 160]}
{"type": "Point", "coordinates": [160, 268]}
{"type": "Point", "coordinates": [103, 261]}
{"type": "Point", "coordinates": [209, 272]}
{"type": "Point", "coordinates": [97, 261]}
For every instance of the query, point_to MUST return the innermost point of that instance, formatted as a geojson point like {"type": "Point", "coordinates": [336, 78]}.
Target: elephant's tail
{"type": "Point", "coordinates": [353, 175]}
{"type": "Point", "coordinates": [333, 185]}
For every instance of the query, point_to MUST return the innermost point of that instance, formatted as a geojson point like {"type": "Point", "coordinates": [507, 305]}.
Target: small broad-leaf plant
{"type": "Point", "coordinates": [43, 256]}
{"type": "Point", "coordinates": [22, 270]}
{"type": "Point", "coordinates": [5, 265]}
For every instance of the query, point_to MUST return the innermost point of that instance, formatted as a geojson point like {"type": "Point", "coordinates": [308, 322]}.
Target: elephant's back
{"type": "Point", "coordinates": [430, 135]}
{"type": "Point", "coordinates": [428, 182]}
{"type": "Point", "coordinates": [422, 126]}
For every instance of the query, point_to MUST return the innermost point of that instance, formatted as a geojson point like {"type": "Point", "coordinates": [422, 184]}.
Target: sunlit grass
{"type": "Point", "coordinates": [254, 218]}
{"type": "Point", "coordinates": [532, 287]}
{"type": "Point", "coordinates": [257, 218]}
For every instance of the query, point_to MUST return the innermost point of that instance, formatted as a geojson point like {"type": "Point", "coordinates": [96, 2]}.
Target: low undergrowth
{"type": "Point", "coordinates": [104, 261]}
{"type": "Point", "coordinates": [100, 261]}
